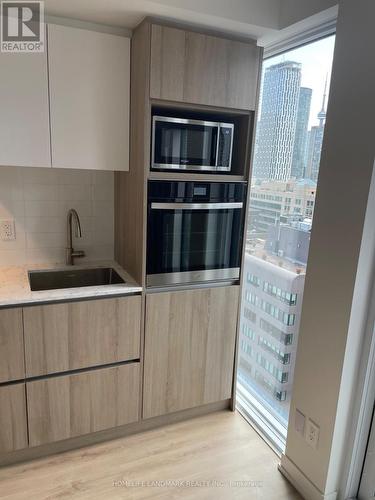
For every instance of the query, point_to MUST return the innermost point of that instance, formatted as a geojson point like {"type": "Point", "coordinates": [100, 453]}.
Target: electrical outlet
{"type": "Point", "coordinates": [7, 230]}
{"type": "Point", "coordinates": [312, 434]}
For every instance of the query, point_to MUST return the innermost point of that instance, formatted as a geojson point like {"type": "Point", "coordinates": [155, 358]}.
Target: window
{"type": "Point", "coordinates": [282, 295]}
{"type": "Point", "coordinates": [248, 332]}
{"type": "Point", "coordinates": [280, 355]}
{"type": "Point", "coordinates": [285, 171]}
{"type": "Point", "coordinates": [275, 312]}
{"type": "Point", "coordinates": [283, 338]}
{"type": "Point", "coordinates": [246, 347]}
{"type": "Point", "coordinates": [254, 280]}
{"type": "Point", "coordinates": [250, 315]}
{"type": "Point", "coordinates": [271, 368]}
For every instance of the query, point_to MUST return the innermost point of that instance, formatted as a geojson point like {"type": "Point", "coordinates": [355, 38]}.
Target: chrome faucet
{"type": "Point", "coordinates": [71, 254]}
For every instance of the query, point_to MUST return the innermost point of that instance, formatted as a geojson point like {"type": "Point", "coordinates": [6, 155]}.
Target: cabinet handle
{"type": "Point", "coordinates": [195, 206]}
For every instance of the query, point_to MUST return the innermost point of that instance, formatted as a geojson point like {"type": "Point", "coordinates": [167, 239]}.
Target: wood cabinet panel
{"type": "Point", "coordinates": [69, 336]}
{"type": "Point", "coordinates": [12, 365]}
{"type": "Point", "coordinates": [72, 405]}
{"type": "Point", "coordinates": [89, 76]}
{"type": "Point", "coordinates": [13, 425]}
{"type": "Point", "coordinates": [189, 348]}
{"type": "Point", "coordinates": [131, 187]}
{"type": "Point", "coordinates": [24, 118]}
{"type": "Point", "coordinates": [196, 68]}
{"type": "Point", "coordinates": [167, 63]}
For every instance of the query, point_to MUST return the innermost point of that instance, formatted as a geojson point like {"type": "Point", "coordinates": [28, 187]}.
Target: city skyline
{"type": "Point", "coordinates": [319, 57]}
{"type": "Point", "coordinates": [286, 146]}
{"type": "Point", "coordinates": [282, 200]}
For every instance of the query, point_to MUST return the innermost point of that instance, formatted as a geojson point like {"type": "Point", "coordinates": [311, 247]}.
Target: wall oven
{"type": "Point", "coordinates": [187, 144]}
{"type": "Point", "coordinates": [194, 231]}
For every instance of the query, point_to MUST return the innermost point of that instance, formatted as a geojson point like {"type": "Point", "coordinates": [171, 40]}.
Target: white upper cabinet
{"type": "Point", "coordinates": [24, 122]}
{"type": "Point", "coordinates": [89, 76]}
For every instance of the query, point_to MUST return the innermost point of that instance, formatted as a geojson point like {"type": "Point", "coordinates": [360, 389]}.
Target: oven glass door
{"type": "Point", "coordinates": [185, 144]}
{"type": "Point", "coordinates": [184, 240]}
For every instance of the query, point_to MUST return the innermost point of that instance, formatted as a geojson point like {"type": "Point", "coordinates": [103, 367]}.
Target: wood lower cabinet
{"type": "Point", "coordinates": [197, 68]}
{"type": "Point", "coordinates": [12, 365]}
{"type": "Point", "coordinates": [68, 406]}
{"type": "Point", "coordinates": [189, 348]}
{"type": "Point", "coordinates": [70, 336]}
{"type": "Point", "coordinates": [13, 422]}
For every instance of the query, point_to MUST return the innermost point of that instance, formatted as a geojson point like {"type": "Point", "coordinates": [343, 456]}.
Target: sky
{"type": "Point", "coordinates": [316, 59]}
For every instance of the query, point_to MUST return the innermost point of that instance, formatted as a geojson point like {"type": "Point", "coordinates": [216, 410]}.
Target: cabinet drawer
{"type": "Point", "coordinates": [13, 426]}
{"type": "Point", "coordinates": [12, 366]}
{"type": "Point", "coordinates": [72, 405]}
{"type": "Point", "coordinates": [63, 337]}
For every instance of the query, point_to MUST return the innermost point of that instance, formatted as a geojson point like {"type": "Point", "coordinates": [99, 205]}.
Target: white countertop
{"type": "Point", "coordinates": [15, 287]}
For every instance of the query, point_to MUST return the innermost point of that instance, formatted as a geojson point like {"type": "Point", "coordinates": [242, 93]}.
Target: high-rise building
{"type": "Point", "coordinates": [315, 141]}
{"type": "Point", "coordinates": [278, 120]}
{"type": "Point", "coordinates": [272, 302]}
{"type": "Point", "coordinates": [300, 141]}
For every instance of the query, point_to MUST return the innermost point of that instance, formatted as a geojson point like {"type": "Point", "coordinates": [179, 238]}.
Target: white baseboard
{"type": "Point", "coordinates": [301, 483]}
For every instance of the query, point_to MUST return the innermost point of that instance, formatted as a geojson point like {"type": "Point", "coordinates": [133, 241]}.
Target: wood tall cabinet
{"type": "Point", "coordinates": [189, 348]}
{"type": "Point", "coordinates": [198, 68]}
{"type": "Point", "coordinates": [172, 67]}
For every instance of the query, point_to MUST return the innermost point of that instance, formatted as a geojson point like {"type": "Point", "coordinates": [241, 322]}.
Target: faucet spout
{"type": "Point", "coordinates": [71, 254]}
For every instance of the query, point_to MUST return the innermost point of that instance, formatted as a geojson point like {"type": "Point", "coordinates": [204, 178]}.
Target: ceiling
{"type": "Point", "coordinates": [250, 18]}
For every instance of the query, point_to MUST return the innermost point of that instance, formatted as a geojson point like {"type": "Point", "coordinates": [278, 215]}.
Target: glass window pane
{"type": "Point", "coordinates": [289, 135]}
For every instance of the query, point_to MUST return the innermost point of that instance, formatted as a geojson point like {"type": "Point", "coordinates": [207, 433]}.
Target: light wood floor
{"type": "Point", "coordinates": [219, 447]}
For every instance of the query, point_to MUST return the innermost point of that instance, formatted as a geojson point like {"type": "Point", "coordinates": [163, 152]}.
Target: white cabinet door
{"type": "Point", "coordinates": [89, 98]}
{"type": "Point", "coordinates": [24, 118]}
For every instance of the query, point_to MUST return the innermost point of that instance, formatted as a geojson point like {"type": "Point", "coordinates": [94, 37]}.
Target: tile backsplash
{"type": "Point", "coordinates": [38, 199]}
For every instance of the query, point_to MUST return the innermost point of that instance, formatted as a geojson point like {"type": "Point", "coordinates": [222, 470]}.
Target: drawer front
{"type": "Point", "coordinates": [72, 405]}
{"type": "Point", "coordinates": [12, 366]}
{"type": "Point", "coordinates": [70, 336]}
{"type": "Point", "coordinates": [13, 424]}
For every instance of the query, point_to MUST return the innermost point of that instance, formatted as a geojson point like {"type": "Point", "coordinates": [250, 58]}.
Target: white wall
{"type": "Point", "coordinates": [293, 11]}
{"type": "Point", "coordinates": [38, 200]}
{"type": "Point", "coordinates": [345, 175]}
{"type": "Point", "coordinates": [262, 13]}
{"type": "Point", "coordinates": [253, 18]}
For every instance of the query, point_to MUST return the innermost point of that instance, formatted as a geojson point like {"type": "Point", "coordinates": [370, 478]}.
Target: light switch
{"type": "Point", "coordinates": [299, 422]}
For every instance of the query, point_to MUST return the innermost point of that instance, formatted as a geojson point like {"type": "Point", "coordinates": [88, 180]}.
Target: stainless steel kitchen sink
{"type": "Point", "coordinates": [73, 278]}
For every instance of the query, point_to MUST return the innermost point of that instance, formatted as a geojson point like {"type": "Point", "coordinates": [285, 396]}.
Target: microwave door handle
{"type": "Point", "coordinates": [217, 147]}
{"type": "Point", "coordinates": [195, 206]}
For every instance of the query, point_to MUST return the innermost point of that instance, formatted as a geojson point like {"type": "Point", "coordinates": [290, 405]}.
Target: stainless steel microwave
{"type": "Point", "coordinates": [187, 144]}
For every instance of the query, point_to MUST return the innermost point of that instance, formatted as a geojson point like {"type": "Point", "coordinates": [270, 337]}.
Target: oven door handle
{"type": "Point", "coordinates": [195, 206]}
